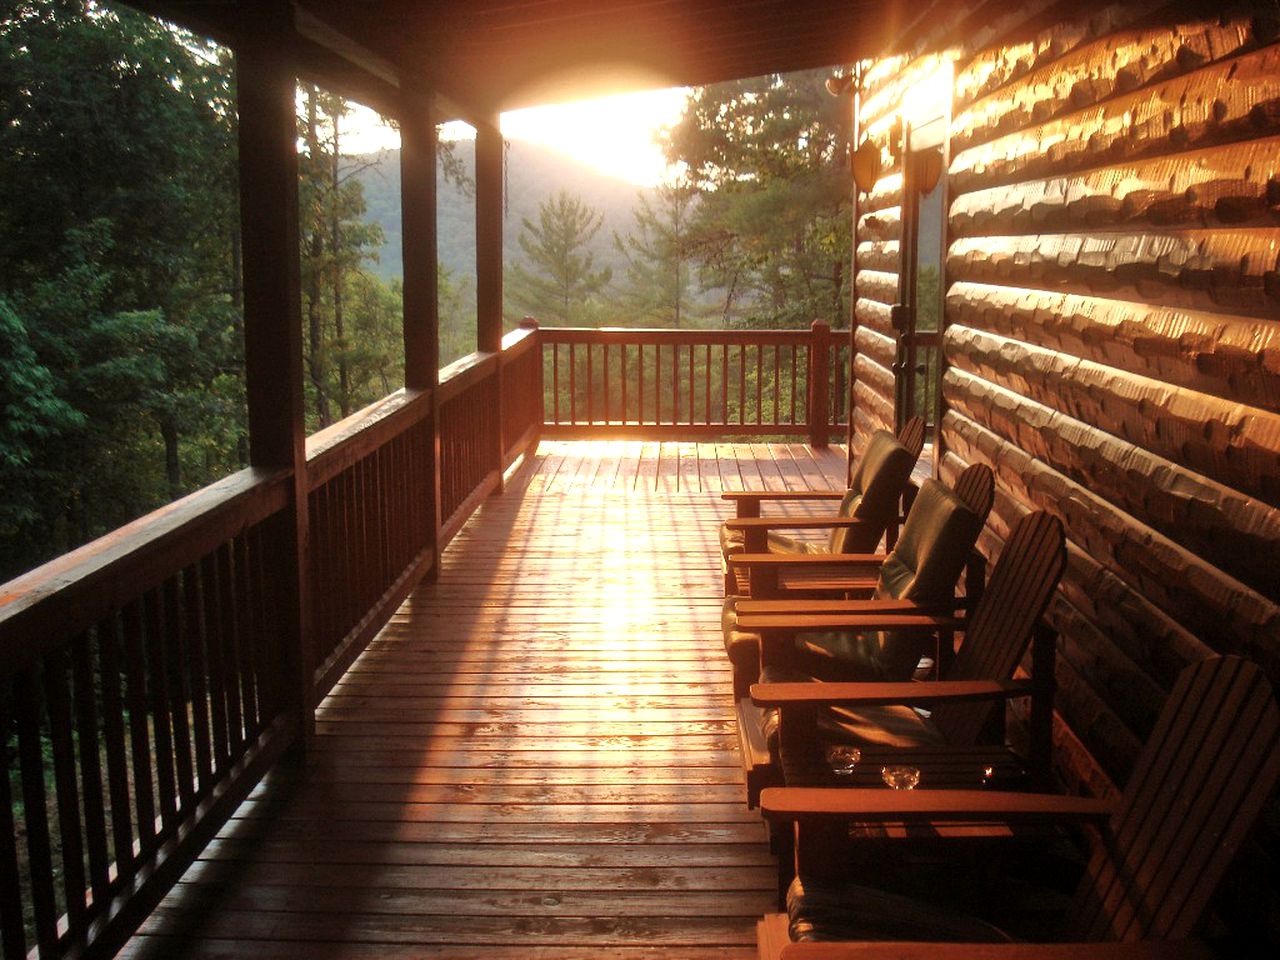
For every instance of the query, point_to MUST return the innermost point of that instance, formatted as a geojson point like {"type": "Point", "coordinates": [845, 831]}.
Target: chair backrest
{"type": "Point", "coordinates": [875, 492]}
{"type": "Point", "coordinates": [1000, 626]}
{"type": "Point", "coordinates": [937, 538]}
{"type": "Point", "coordinates": [1195, 792]}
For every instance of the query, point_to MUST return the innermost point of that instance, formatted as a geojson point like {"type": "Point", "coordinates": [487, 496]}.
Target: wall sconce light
{"type": "Point", "coordinates": [866, 165]}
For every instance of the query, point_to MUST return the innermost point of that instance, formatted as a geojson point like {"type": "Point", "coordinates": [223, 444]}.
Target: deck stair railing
{"type": "Point", "coordinates": [150, 678]}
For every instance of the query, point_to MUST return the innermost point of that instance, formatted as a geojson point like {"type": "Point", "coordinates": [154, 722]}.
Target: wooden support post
{"type": "Point", "coordinates": [489, 206]}
{"type": "Point", "coordinates": [819, 372]}
{"type": "Point", "coordinates": [419, 250]}
{"type": "Point", "coordinates": [273, 339]}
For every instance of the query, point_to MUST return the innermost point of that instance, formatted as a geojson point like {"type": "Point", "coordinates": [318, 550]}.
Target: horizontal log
{"type": "Point", "coordinates": [875, 378]}
{"type": "Point", "coordinates": [1137, 647]}
{"type": "Point", "coordinates": [883, 350]}
{"type": "Point", "coordinates": [1238, 534]}
{"type": "Point", "coordinates": [1114, 63]}
{"type": "Point", "coordinates": [877, 285]}
{"type": "Point", "coordinates": [1233, 444]}
{"type": "Point", "coordinates": [874, 314]}
{"type": "Point", "coordinates": [1228, 357]}
{"type": "Point", "coordinates": [1223, 612]}
{"type": "Point", "coordinates": [1233, 100]}
{"type": "Point", "coordinates": [1234, 185]}
{"type": "Point", "coordinates": [1228, 270]}
{"type": "Point", "coordinates": [873, 405]}
{"type": "Point", "coordinates": [886, 193]}
{"type": "Point", "coordinates": [879, 255]}
{"type": "Point", "coordinates": [866, 422]}
{"type": "Point", "coordinates": [883, 224]}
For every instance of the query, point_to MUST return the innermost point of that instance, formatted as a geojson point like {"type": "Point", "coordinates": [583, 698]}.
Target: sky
{"type": "Point", "coordinates": [615, 135]}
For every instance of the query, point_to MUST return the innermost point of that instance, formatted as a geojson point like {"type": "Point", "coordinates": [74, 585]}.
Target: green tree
{"type": "Point", "coordinates": [561, 279]}
{"type": "Point", "coordinates": [659, 258]}
{"type": "Point", "coordinates": [117, 263]}
{"type": "Point", "coordinates": [771, 230]}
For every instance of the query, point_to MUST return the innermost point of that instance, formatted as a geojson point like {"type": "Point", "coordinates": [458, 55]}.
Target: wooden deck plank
{"type": "Point", "coordinates": [536, 757]}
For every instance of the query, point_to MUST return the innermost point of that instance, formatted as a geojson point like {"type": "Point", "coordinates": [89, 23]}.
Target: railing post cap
{"type": "Point", "coordinates": [819, 325]}
{"type": "Point", "coordinates": [528, 323]}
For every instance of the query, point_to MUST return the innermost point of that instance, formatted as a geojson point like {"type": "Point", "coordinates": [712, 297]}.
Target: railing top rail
{"type": "Point", "coordinates": [71, 593]}
{"type": "Point", "coordinates": [338, 446]}
{"type": "Point", "coordinates": [636, 335]}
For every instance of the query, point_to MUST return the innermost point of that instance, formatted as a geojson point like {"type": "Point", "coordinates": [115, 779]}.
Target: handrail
{"type": "Point", "coordinates": [72, 592]}
{"type": "Point", "coordinates": [694, 384]}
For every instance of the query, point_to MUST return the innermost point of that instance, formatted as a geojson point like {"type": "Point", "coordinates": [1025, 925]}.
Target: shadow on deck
{"type": "Point", "coordinates": [536, 755]}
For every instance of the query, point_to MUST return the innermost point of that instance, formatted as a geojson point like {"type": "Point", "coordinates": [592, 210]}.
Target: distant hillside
{"type": "Point", "coordinates": [533, 174]}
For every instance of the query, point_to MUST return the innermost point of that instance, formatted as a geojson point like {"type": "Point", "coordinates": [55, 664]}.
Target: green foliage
{"type": "Point", "coordinates": [772, 229]}
{"type": "Point", "coordinates": [561, 281]}
{"type": "Point", "coordinates": [659, 259]}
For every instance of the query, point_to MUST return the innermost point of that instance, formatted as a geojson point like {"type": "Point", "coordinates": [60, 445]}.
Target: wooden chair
{"type": "Point", "coordinates": [919, 576]}
{"type": "Point", "coordinates": [914, 579]}
{"type": "Point", "coordinates": [1199, 784]}
{"type": "Point", "coordinates": [879, 717]}
{"type": "Point", "coordinates": [868, 508]}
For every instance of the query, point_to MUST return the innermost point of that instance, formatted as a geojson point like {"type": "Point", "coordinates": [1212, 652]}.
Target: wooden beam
{"type": "Point", "coordinates": [273, 332]}
{"type": "Point", "coordinates": [489, 207]}
{"type": "Point", "coordinates": [418, 142]}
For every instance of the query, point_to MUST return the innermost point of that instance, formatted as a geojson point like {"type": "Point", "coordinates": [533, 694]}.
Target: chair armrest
{"type": "Point", "coordinates": [794, 622]}
{"type": "Point", "coordinates": [794, 523]}
{"type": "Point", "coordinates": [1134, 950]}
{"type": "Point", "coordinates": [908, 693]}
{"type": "Point", "coordinates": [807, 561]}
{"type": "Point", "coordinates": [748, 606]}
{"type": "Point", "coordinates": [745, 496]}
{"type": "Point", "coordinates": [837, 804]}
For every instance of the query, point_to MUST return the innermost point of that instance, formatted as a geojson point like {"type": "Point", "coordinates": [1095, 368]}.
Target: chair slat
{"type": "Point", "coordinates": [1206, 770]}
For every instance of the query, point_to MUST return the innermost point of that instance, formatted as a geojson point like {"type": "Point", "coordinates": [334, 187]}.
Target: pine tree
{"type": "Point", "coordinates": [558, 284]}
{"type": "Point", "coordinates": [659, 258]}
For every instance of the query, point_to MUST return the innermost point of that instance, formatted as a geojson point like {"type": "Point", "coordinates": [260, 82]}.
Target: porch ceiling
{"type": "Point", "coordinates": [504, 54]}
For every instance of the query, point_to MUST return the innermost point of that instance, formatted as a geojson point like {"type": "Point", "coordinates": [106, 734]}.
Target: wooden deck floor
{"type": "Point", "coordinates": [536, 757]}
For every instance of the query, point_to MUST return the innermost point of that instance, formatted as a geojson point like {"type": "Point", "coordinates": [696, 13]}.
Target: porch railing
{"type": "Point", "coordinates": [146, 679]}
{"type": "Point", "coordinates": [695, 383]}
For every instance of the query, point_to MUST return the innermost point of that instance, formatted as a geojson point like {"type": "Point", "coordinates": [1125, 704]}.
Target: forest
{"type": "Point", "coordinates": [121, 357]}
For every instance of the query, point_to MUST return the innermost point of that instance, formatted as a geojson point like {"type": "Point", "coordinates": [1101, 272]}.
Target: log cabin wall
{"type": "Point", "coordinates": [1112, 339]}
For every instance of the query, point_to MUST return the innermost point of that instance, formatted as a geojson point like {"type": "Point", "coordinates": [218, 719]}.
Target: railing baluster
{"type": "Point", "coordinates": [248, 653]}
{"type": "Point", "coordinates": [759, 383]}
{"type": "Point", "coordinates": [114, 740]}
{"type": "Point", "coordinates": [196, 659]}
{"type": "Point", "coordinates": [175, 655]}
{"type": "Point", "coordinates": [57, 695]}
{"type": "Point", "coordinates": [95, 821]}
{"type": "Point", "coordinates": [693, 387]}
{"type": "Point", "coordinates": [706, 376]}
{"type": "Point", "coordinates": [13, 937]}
{"type": "Point", "coordinates": [231, 639]}
{"type": "Point", "coordinates": [675, 383]}
{"type": "Point", "coordinates": [573, 383]}
{"type": "Point", "coordinates": [214, 644]}
{"type": "Point", "coordinates": [157, 689]}
{"type": "Point", "coordinates": [742, 383]}
{"type": "Point", "coordinates": [139, 735]}
{"type": "Point", "coordinates": [792, 384]}
{"type": "Point", "coordinates": [724, 383]}
{"type": "Point", "coordinates": [777, 376]}
{"type": "Point", "coordinates": [44, 903]}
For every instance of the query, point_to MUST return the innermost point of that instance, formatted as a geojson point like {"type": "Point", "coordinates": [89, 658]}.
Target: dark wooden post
{"type": "Point", "coordinates": [273, 334]}
{"type": "Point", "coordinates": [489, 205]}
{"type": "Point", "coordinates": [418, 246]}
{"type": "Point", "coordinates": [819, 371]}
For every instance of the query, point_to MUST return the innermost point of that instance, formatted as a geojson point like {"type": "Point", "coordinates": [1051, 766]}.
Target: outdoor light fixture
{"type": "Point", "coordinates": [866, 164]}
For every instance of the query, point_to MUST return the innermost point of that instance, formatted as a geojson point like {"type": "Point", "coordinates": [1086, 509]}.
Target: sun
{"type": "Point", "coordinates": [616, 135]}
